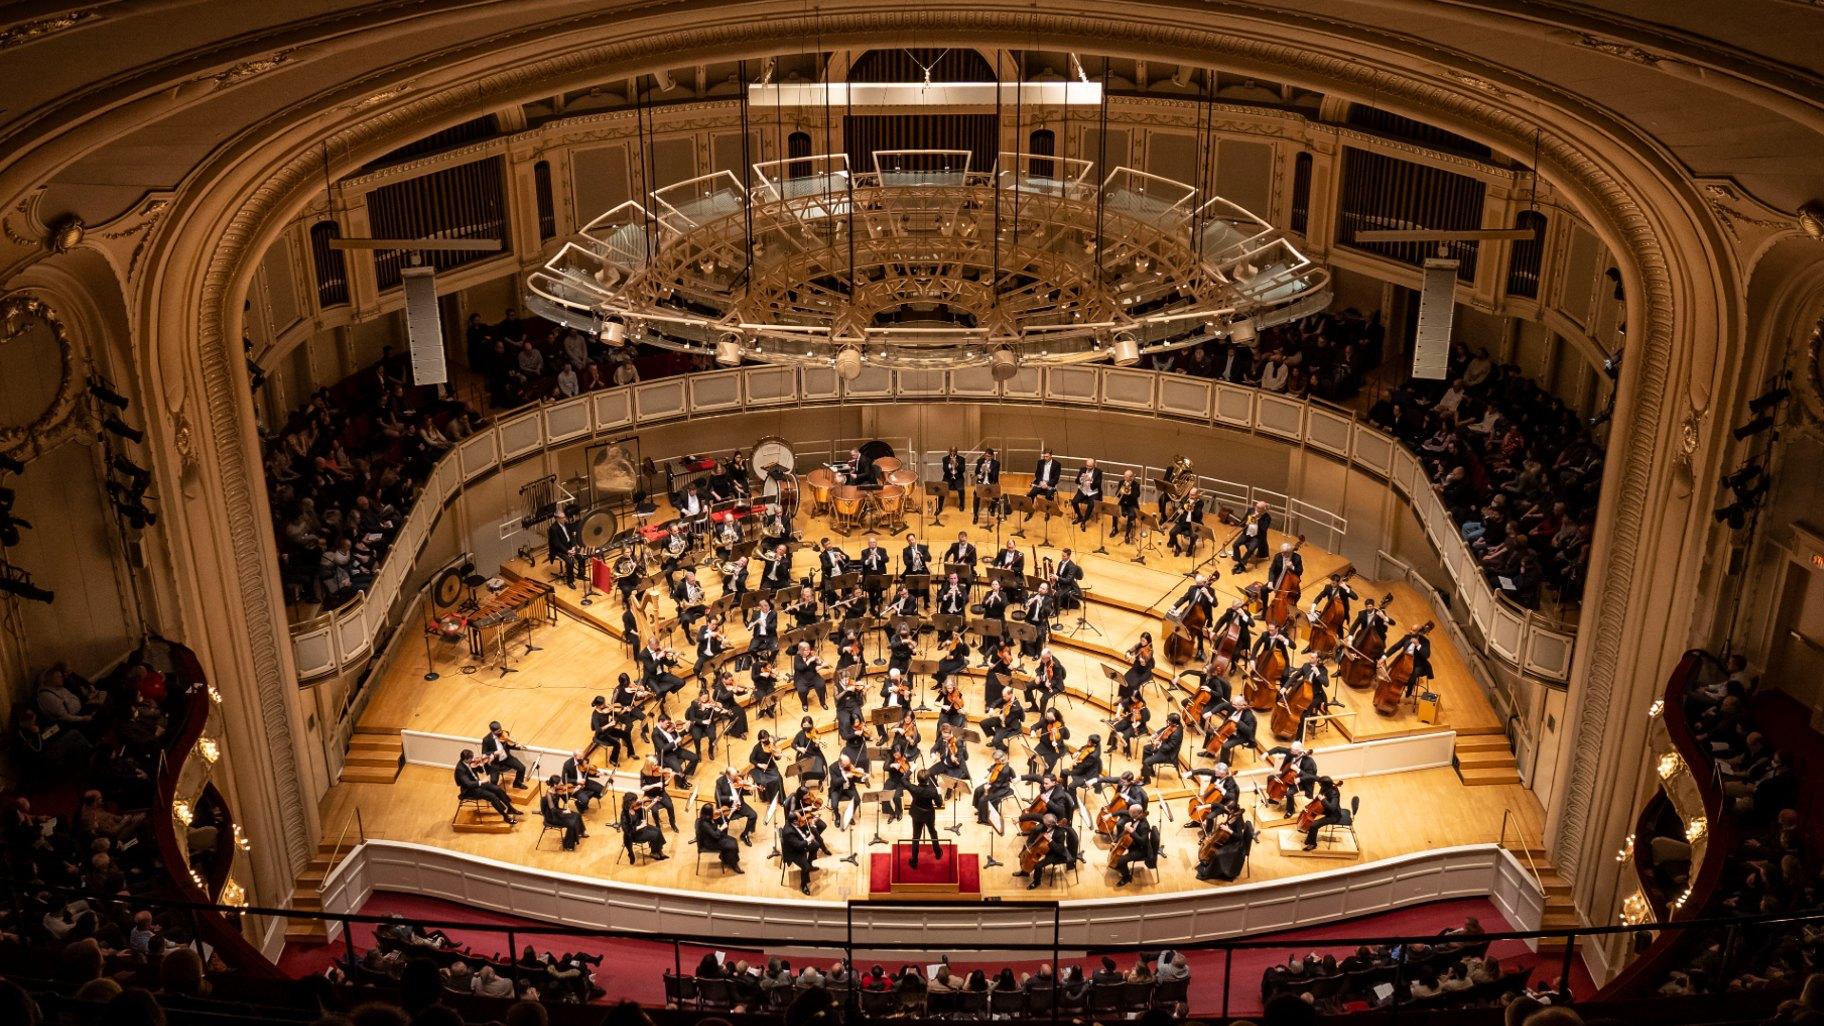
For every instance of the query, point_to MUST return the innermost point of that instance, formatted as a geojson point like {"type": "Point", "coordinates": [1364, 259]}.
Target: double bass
{"type": "Point", "coordinates": [1390, 687]}
{"type": "Point", "coordinates": [1355, 663]}
{"type": "Point", "coordinates": [1289, 709]}
{"type": "Point", "coordinates": [1264, 678]}
{"type": "Point", "coordinates": [1282, 604]}
{"type": "Point", "coordinates": [1223, 648]}
{"type": "Point", "coordinates": [1327, 629]}
{"type": "Point", "coordinates": [1181, 634]}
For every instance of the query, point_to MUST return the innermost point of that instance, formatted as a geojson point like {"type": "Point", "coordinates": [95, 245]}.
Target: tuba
{"type": "Point", "coordinates": [1179, 477]}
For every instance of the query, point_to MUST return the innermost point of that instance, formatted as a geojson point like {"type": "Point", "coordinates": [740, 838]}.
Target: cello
{"type": "Point", "coordinates": [1110, 816]}
{"type": "Point", "coordinates": [1355, 661]}
{"type": "Point", "coordinates": [1264, 678]}
{"type": "Point", "coordinates": [1035, 850]}
{"type": "Point", "coordinates": [1396, 676]}
{"type": "Point", "coordinates": [1215, 739]}
{"type": "Point", "coordinates": [1199, 806]}
{"type": "Point", "coordinates": [1282, 781]}
{"type": "Point", "coordinates": [1282, 604]}
{"type": "Point", "coordinates": [1215, 837]}
{"type": "Point", "coordinates": [1308, 817]}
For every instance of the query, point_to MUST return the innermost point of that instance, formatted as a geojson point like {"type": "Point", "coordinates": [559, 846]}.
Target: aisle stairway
{"type": "Point", "coordinates": [1483, 757]}
{"type": "Point", "coordinates": [1559, 913]}
{"type": "Point", "coordinates": [306, 894]}
{"type": "Point", "coordinates": [375, 756]}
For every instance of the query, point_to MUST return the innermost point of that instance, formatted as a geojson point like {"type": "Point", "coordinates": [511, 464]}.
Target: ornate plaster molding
{"type": "Point", "coordinates": [45, 28]}
{"type": "Point", "coordinates": [18, 313]}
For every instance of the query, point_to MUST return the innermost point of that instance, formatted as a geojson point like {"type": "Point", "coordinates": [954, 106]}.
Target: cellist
{"type": "Point", "coordinates": [1223, 849]}
{"type": "Point", "coordinates": [1295, 756]}
{"type": "Point", "coordinates": [1137, 841]}
{"type": "Point", "coordinates": [1222, 790]}
{"type": "Point", "coordinates": [1246, 727]}
{"type": "Point", "coordinates": [1163, 748]}
{"type": "Point", "coordinates": [1048, 843]}
{"type": "Point", "coordinates": [1332, 811]}
{"type": "Point", "coordinates": [1312, 672]}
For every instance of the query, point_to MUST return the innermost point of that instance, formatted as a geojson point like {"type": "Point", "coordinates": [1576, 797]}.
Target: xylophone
{"type": "Point", "coordinates": [507, 609]}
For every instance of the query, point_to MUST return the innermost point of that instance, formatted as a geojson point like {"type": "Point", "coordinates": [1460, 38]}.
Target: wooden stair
{"type": "Point", "coordinates": [307, 896]}
{"type": "Point", "coordinates": [1560, 911]}
{"type": "Point", "coordinates": [1483, 758]}
{"type": "Point", "coordinates": [375, 756]}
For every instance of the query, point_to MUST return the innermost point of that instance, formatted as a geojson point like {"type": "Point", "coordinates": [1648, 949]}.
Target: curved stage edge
{"type": "Point", "coordinates": [1181, 918]}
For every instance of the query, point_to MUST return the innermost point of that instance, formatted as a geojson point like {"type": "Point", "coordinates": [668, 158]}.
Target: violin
{"type": "Point", "coordinates": [1161, 737]}
{"type": "Point", "coordinates": [954, 696]}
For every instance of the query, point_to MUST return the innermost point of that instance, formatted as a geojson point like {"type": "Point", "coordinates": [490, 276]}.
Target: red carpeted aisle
{"type": "Point", "coordinates": [632, 968]}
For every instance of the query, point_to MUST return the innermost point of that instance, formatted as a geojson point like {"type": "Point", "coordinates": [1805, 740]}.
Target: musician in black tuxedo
{"type": "Point", "coordinates": [612, 728]}
{"type": "Point", "coordinates": [834, 563]}
{"type": "Point", "coordinates": [1334, 813]}
{"type": "Point", "coordinates": [806, 679]}
{"type": "Point", "coordinates": [861, 472]}
{"type": "Point", "coordinates": [1186, 519]}
{"type": "Point", "coordinates": [1198, 594]}
{"type": "Point", "coordinates": [996, 788]}
{"type": "Point", "coordinates": [1163, 749]}
{"type": "Point", "coordinates": [470, 785]}
{"type": "Point", "coordinates": [636, 828]}
{"type": "Point", "coordinates": [1247, 727]}
{"type": "Point", "coordinates": [655, 672]}
{"type": "Point", "coordinates": [1089, 492]}
{"type": "Point", "coordinates": [961, 552]}
{"type": "Point", "coordinates": [953, 597]}
{"type": "Point", "coordinates": [1039, 608]}
{"type": "Point", "coordinates": [1335, 587]}
{"type": "Point", "coordinates": [580, 775]}
{"type": "Point", "coordinates": [763, 631]}
{"type": "Point", "coordinates": [668, 744]}
{"type": "Point", "coordinates": [1374, 618]}
{"type": "Point", "coordinates": [1045, 476]}
{"type": "Point", "coordinates": [1295, 754]}
{"type": "Point", "coordinates": [1314, 672]}
{"type": "Point", "coordinates": [1059, 853]}
{"type": "Point", "coordinates": [915, 559]}
{"type": "Point", "coordinates": [1421, 658]}
{"type": "Point", "coordinates": [1143, 848]}
{"type": "Point", "coordinates": [1285, 560]}
{"type": "Point", "coordinates": [713, 835]}
{"type": "Point", "coordinates": [1245, 640]}
{"type": "Point", "coordinates": [874, 559]}
{"type": "Point", "coordinates": [561, 544]}
{"type": "Point", "coordinates": [987, 472]}
{"type": "Point", "coordinates": [729, 787]}
{"type": "Point", "coordinates": [800, 843]}
{"type": "Point", "coordinates": [955, 474]}
{"type": "Point", "coordinates": [926, 800]}
{"type": "Point", "coordinates": [1069, 593]}
{"type": "Point", "coordinates": [1127, 500]}
{"type": "Point", "coordinates": [1252, 544]}
{"type": "Point", "coordinates": [499, 749]}
{"type": "Point", "coordinates": [778, 572]}
{"type": "Point", "coordinates": [1010, 557]}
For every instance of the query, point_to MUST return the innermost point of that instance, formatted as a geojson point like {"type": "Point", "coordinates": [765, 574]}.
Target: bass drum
{"type": "Point", "coordinates": [781, 486]}
{"type": "Point", "coordinates": [773, 451]}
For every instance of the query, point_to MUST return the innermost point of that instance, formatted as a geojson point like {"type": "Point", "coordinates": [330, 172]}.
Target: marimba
{"type": "Point", "coordinates": [508, 611]}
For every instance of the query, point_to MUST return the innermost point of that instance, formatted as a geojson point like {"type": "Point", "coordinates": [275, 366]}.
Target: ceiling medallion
{"type": "Point", "coordinates": [923, 262]}
{"type": "Point", "coordinates": [38, 380]}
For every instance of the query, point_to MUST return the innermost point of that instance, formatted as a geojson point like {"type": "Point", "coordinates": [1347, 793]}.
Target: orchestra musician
{"type": "Point", "coordinates": [1374, 618]}
{"type": "Point", "coordinates": [987, 472]}
{"type": "Point", "coordinates": [1133, 722]}
{"type": "Point", "coordinates": [1126, 789]}
{"type": "Point", "coordinates": [1051, 833]}
{"type": "Point", "coordinates": [1270, 640]}
{"type": "Point", "coordinates": [846, 778]}
{"type": "Point", "coordinates": [1226, 858]}
{"type": "Point", "coordinates": [1251, 544]}
{"type": "Point", "coordinates": [804, 611]}
{"type": "Point", "coordinates": [1247, 727]}
{"type": "Point", "coordinates": [1006, 719]}
{"type": "Point", "coordinates": [734, 576]}
{"type": "Point", "coordinates": [656, 662]}
{"type": "Point", "coordinates": [807, 677]}
{"type": "Point", "coordinates": [692, 507]}
{"type": "Point", "coordinates": [1244, 641]}
{"type": "Point", "coordinates": [806, 746]}
{"type": "Point", "coordinates": [1039, 610]}
{"type": "Point", "coordinates": [853, 606]}
{"type": "Point", "coordinates": [1212, 693]}
{"type": "Point", "coordinates": [636, 828]}
{"type": "Point", "coordinates": [1287, 558]}
{"type": "Point", "coordinates": [1334, 812]}
{"type": "Point", "coordinates": [1187, 516]}
{"type": "Point", "coordinates": [950, 701]}
{"type": "Point", "coordinates": [668, 744]}
{"type": "Point", "coordinates": [800, 844]}
{"type": "Point", "coordinates": [1199, 593]}
{"type": "Point", "coordinates": [469, 784]}
{"type": "Point", "coordinates": [585, 781]}
{"type": "Point", "coordinates": [994, 789]}
{"type": "Point", "coordinates": [1047, 681]}
{"type": "Point", "coordinates": [926, 800]}
{"type": "Point", "coordinates": [1068, 578]}
{"type": "Point", "coordinates": [765, 679]}
{"type": "Point", "coordinates": [1049, 737]}
{"type": "Point", "coordinates": [778, 572]}
{"type": "Point", "coordinates": [1045, 475]}
{"type": "Point", "coordinates": [961, 552]}
{"type": "Point", "coordinates": [710, 641]}
{"type": "Point", "coordinates": [1089, 493]}
{"type": "Point", "coordinates": [874, 559]}
{"type": "Point", "coordinates": [555, 806]}
{"type": "Point", "coordinates": [1140, 663]}
{"type": "Point", "coordinates": [1010, 557]}
{"type": "Point", "coordinates": [1142, 845]}
{"type": "Point", "coordinates": [1053, 797]}
{"type": "Point", "coordinates": [713, 835]}
{"type": "Point", "coordinates": [702, 717]}
{"type": "Point", "coordinates": [901, 604]}
{"type": "Point", "coordinates": [954, 471]}
{"type": "Point", "coordinates": [1085, 765]}
{"type": "Point", "coordinates": [1295, 756]}
{"type": "Point", "coordinates": [858, 471]}
{"type": "Point", "coordinates": [730, 787]}
{"type": "Point", "coordinates": [834, 563]}
{"type": "Point", "coordinates": [1421, 659]}
{"type": "Point", "coordinates": [1226, 791]}
{"type": "Point", "coordinates": [1163, 748]}
{"type": "Point", "coordinates": [1127, 500]}
{"type": "Point", "coordinates": [1335, 587]}
{"type": "Point", "coordinates": [1312, 672]}
{"type": "Point", "coordinates": [915, 561]}
{"type": "Point", "coordinates": [950, 756]}
{"type": "Point", "coordinates": [653, 780]}
{"type": "Point", "coordinates": [561, 545]}
{"type": "Point", "coordinates": [688, 595]}
{"type": "Point", "coordinates": [610, 725]}
{"type": "Point", "coordinates": [902, 751]}
{"type": "Point", "coordinates": [498, 746]}
{"type": "Point", "coordinates": [763, 769]}
{"type": "Point", "coordinates": [763, 631]}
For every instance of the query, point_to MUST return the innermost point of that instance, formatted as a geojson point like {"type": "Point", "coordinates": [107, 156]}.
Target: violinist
{"type": "Point", "coordinates": [961, 552]}
{"type": "Point", "coordinates": [585, 781]}
{"type": "Point", "coordinates": [498, 747]}
{"type": "Point", "coordinates": [950, 756]}
{"type": "Point", "coordinates": [1005, 720]}
{"type": "Point", "coordinates": [469, 784]}
{"type": "Point", "coordinates": [900, 649]}
{"type": "Point", "coordinates": [1049, 737]}
{"type": "Point", "coordinates": [926, 800]}
{"type": "Point", "coordinates": [611, 726]}
{"type": "Point", "coordinates": [999, 676]}
{"type": "Point", "coordinates": [637, 829]}
{"type": "Point", "coordinates": [556, 806]}
{"type": "Point", "coordinates": [763, 769]}
{"type": "Point", "coordinates": [1421, 659]}
{"type": "Point", "coordinates": [728, 700]}
{"type": "Point", "coordinates": [1224, 845]}
{"type": "Point", "coordinates": [1334, 814]}
{"type": "Point", "coordinates": [849, 697]}
{"type": "Point", "coordinates": [953, 600]}
{"type": "Point", "coordinates": [1247, 726]}
{"type": "Point", "coordinates": [702, 716]}
{"type": "Point", "coordinates": [806, 746]}
{"type": "Point", "coordinates": [656, 662]}
{"type": "Point", "coordinates": [1048, 843]}
{"type": "Point", "coordinates": [807, 677]}
{"type": "Point", "coordinates": [1252, 542]}
{"type": "Point", "coordinates": [955, 472]}
{"type": "Point", "coordinates": [1127, 500]}
{"type": "Point", "coordinates": [1236, 613]}
{"type": "Point", "coordinates": [653, 778]}
{"type": "Point", "coordinates": [846, 779]}
{"type": "Point", "coordinates": [765, 679]}
{"type": "Point", "coordinates": [1139, 666]}
{"type": "Point", "coordinates": [1089, 492]}
{"type": "Point", "coordinates": [713, 835]}
{"type": "Point", "coordinates": [1201, 595]}
{"type": "Point", "coordinates": [730, 787]}
{"type": "Point", "coordinates": [804, 805]}
{"type": "Point", "coordinates": [1047, 680]}
{"type": "Point", "coordinates": [1163, 748]}
{"type": "Point", "coordinates": [895, 694]}
{"type": "Point", "coordinates": [1187, 517]}
{"type": "Point", "coordinates": [1298, 767]}
{"type": "Point", "coordinates": [668, 745]}
{"type": "Point", "coordinates": [950, 704]}
{"type": "Point", "coordinates": [1141, 845]}
{"type": "Point", "coordinates": [902, 752]}
{"type": "Point", "coordinates": [1133, 722]}
{"type": "Point", "coordinates": [801, 842]}
{"type": "Point", "coordinates": [1085, 765]}
{"type": "Point", "coordinates": [763, 631]}
{"type": "Point", "coordinates": [778, 572]}
{"type": "Point", "coordinates": [996, 788]}
{"type": "Point", "coordinates": [955, 657]}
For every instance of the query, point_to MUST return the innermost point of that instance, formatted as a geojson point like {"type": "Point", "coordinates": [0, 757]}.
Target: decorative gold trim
{"type": "Point", "coordinates": [46, 429]}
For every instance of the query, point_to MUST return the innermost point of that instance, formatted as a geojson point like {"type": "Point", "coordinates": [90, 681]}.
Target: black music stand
{"type": "Point", "coordinates": [987, 628]}
{"type": "Point", "coordinates": [1023, 632]}
{"type": "Point", "coordinates": [1048, 505]}
{"type": "Point", "coordinates": [1149, 537]}
{"type": "Point", "coordinates": [1116, 681]}
{"type": "Point", "coordinates": [954, 790]}
{"type": "Point", "coordinates": [1017, 504]}
{"type": "Point", "coordinates": [940, 492]}
{"type": "Point", "coordinates": [878, 798]}
{"type": "Point", "coordinates": [919, 587]}
{"type": "Point", "coordinates": [922, 668]}
{"type": "Point", "coordinates": [987, 495]}
{"type": "Point", "coordinates": [947, 622]}
{"type": "Point", "coordinates": [965, 573]}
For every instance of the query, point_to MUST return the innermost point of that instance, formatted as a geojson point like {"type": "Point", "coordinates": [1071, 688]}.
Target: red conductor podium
{"type": "Point", "coordinates": [953, 875]}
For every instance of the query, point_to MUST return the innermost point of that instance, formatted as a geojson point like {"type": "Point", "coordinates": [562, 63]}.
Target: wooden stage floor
{"type": "Point", "coordinates": [546, 704]}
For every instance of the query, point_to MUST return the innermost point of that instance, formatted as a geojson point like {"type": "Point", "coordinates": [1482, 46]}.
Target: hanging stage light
{"type": "Point", "coordinates": [728, 351]}
{"type": "Point", "coordinates": [1768, 400]}
{"type": "Point", "coordinates": [114, 426]}
{"type": "Point", "coordinates": [1753, 427]}
{"type": "Point", "coordinates": [101, 391]}
{"type": "Point", "coordinates": [1004, 363]}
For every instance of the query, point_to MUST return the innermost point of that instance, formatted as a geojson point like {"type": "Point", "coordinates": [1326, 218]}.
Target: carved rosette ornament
{"type": "Point", "coordinates": [39, 386]}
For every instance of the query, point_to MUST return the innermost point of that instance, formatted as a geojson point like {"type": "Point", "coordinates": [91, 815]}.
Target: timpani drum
{"type": "Point", "coordinates": [848, 503]}
{"type": "Point", "coordinates": [904, 477]}
{"type": "Point", "coordinates": [891, 503]}
{"type": "Point", "coordinates": [822, 484]}
{"type": "Point", "coordinates": [886, 466]}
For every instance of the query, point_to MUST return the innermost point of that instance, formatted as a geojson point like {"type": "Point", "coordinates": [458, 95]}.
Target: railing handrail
{"type": "Point", "coordinates": [1526, 853]}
